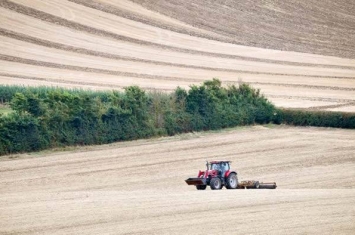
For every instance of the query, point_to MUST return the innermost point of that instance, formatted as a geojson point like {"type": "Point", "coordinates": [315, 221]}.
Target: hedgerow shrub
{"type": "Point", "coordinates": [50, 117]}
{"type": "Point", "coordinates": [316, 118]}
{"type": "Point", "coordinates": [21, 132]}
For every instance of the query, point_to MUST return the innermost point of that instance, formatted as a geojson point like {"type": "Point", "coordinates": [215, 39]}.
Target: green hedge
{"type": "Point", "coordinates": [44, 117]}
{"type": "Point", "coordinates": [315, 118]}
{"type": "Point", "coordinates": [50, 117]}
{"type": "Point", "coordinates": [7, 92]}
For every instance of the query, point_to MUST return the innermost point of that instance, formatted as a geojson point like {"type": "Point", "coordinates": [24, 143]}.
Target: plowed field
{"type": "Point", "coordinates": [301, 54]}
{"type": "Point", "coordinates": [138, 187]}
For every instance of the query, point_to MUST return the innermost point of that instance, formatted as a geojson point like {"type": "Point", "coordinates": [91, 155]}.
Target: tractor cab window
{"type": "Point", "coordinates": [225, 166]}
{"type": "Point", "coordinates": [215, 166]}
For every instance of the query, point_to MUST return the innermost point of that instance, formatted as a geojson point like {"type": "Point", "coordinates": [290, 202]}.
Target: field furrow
{"type": "Point", "coordinates": [300, 54]}
{"type": "Point", "coordinates": [119, 188]}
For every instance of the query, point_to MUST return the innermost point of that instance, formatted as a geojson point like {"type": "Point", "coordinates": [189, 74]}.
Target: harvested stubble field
{"type": "Point", "coordinates": [301, 54]}
{"type": "Point", "coordinates": [138, 187]}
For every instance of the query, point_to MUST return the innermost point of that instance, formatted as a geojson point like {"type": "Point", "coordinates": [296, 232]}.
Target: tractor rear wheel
{"type": "Point", "coordinates": [201, 187]}
{"type": "Point", "coordinates": [232, 181]}
{"type": "Point", "coordinates": [216, 184]}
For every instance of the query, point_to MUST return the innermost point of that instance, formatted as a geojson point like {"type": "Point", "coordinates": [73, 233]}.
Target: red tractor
{"type": "Point", "coordinates": [217, 175]}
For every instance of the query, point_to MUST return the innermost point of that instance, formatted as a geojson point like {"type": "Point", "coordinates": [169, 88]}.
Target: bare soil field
{"type": "Point", "coordinates": [138, 187]}
{"type": "Point", "coordinates": [320, 27]}
{"type": "Point", "coordinates": [299, 53]}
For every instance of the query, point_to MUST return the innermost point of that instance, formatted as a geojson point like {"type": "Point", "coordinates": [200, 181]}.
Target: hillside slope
{"type": "Point", "coordinates": [300, 54]}
{"type": "Point", "coordinates": [319, 27]}
{"type": "Point", "coordinates": [138, 187]}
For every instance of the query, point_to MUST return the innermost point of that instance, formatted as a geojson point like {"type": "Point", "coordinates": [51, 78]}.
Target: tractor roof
{"type": "Point", "coordinates": [216, 162]}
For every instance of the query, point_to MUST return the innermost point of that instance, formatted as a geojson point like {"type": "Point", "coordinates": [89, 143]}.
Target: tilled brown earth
{"type": "Point", "coordinates": [102, 44]}
{"type": "Point", "coordinates": [290, 25]}
{"type": "Point", "coordinates": [138, 187]}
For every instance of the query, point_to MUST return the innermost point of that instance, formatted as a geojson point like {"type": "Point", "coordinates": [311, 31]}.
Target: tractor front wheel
{"type": "Point", "coordinates": [200, 187]}
{"type": "Point", "coordinates": [216, 184]}
{"type": "Point", "coordinates": [232, 181]}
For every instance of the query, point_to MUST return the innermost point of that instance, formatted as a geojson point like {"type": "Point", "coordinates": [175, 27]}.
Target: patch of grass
{"type": "Point", "coordinates": [271, 125]}
{"type": "Point", "coordinates": [4, 109]}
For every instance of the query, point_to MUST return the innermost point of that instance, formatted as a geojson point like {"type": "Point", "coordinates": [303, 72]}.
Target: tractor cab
{"type": "Point", "coordinates": [218, 165]}
{"type": "Point", "coordinates": [217, 175]}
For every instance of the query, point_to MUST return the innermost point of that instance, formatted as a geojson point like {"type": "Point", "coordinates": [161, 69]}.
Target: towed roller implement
{"type": "Point", "coordinates": [252, 184]}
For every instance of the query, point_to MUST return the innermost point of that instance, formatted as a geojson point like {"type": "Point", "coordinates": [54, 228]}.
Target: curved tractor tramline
{"type": "Point", "coordinates": [219, 174]}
